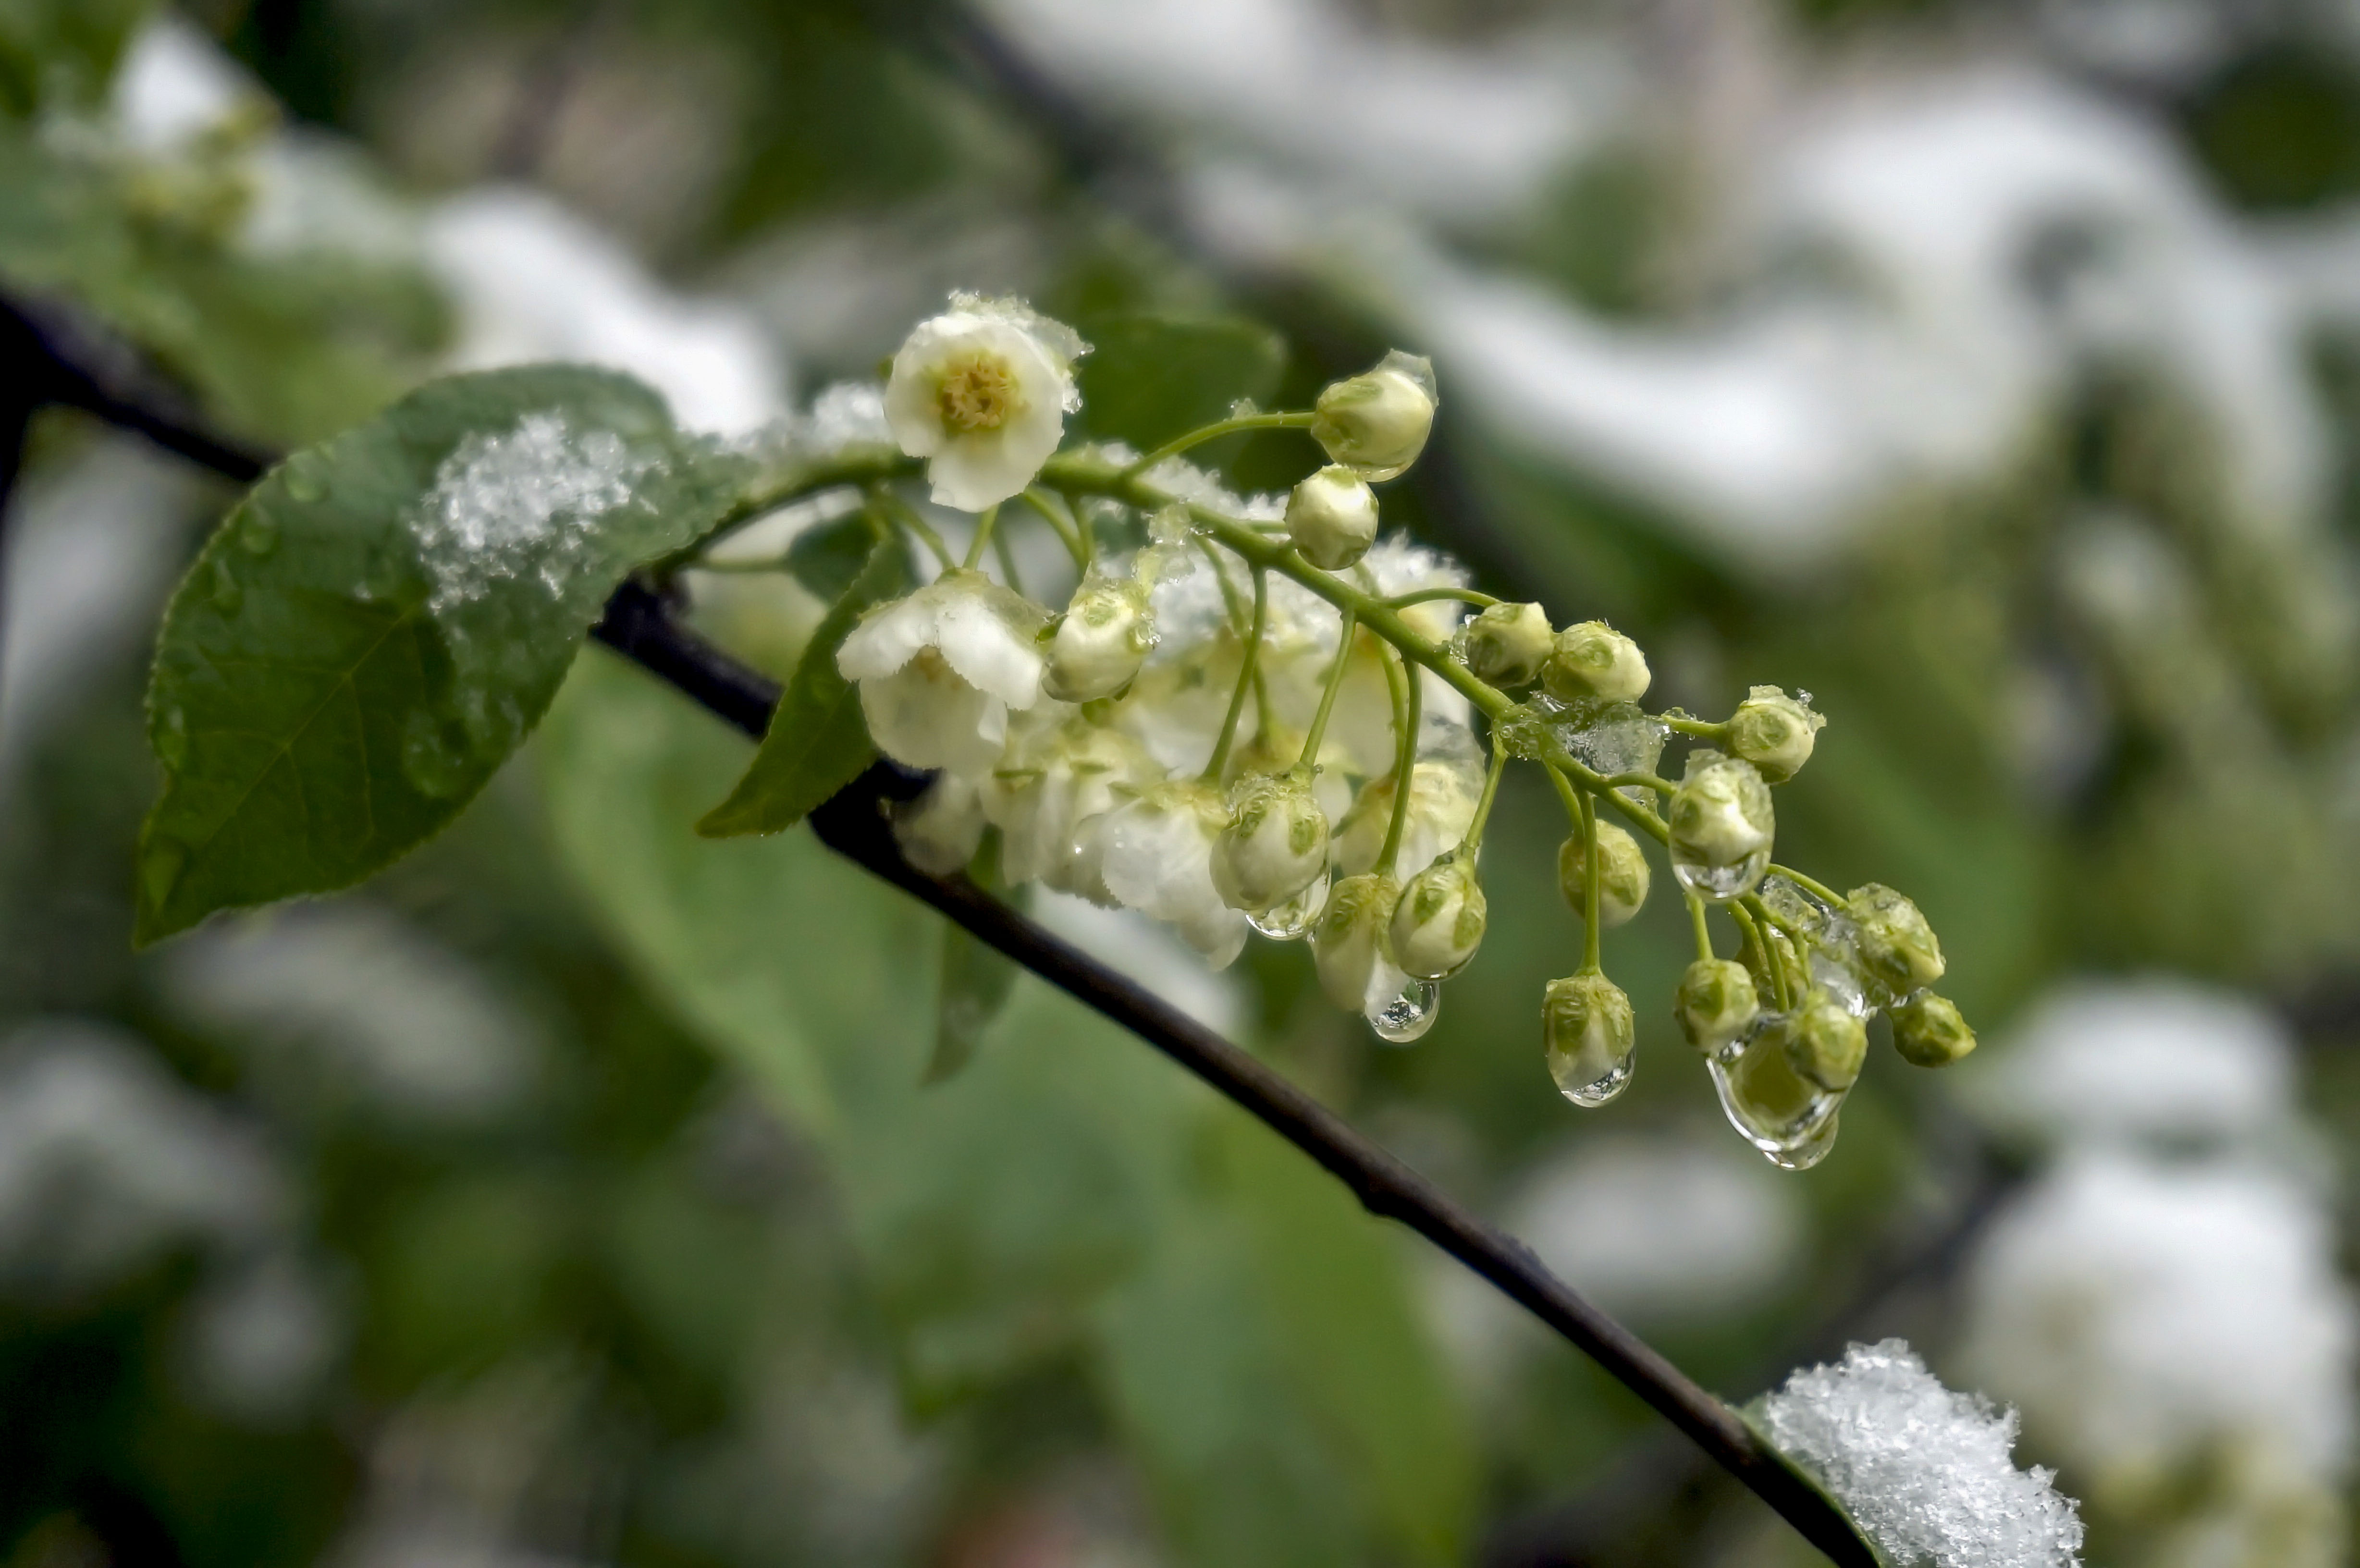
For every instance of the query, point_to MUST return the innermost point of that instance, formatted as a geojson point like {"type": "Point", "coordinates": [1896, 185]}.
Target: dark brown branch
{"type": "Point", "coordinates": [638, 624]}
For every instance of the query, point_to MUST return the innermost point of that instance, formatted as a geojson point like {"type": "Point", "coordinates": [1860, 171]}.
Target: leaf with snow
{"type": "Point", "coordinates": [1923, 1470]}
{"type": "Point", "coordinates": [379, 624]}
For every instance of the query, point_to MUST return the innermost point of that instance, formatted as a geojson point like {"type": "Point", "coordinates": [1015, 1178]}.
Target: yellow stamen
{"type": "Point", "coordinates": [978, 392]}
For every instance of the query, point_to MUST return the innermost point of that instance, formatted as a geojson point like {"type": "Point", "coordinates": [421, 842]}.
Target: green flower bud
{"type": "Point", "coordinates": [1594, 663]}
{"type": "Point", "coordinates": [1929, 1031]}
{"type": "Point", "coordinates": [1716, 1003]}
{"type": "Point", "coordinates": [1439, 923]}
{"type": "Point", "coordinates": [1101, 642]}
{"type": "Point", "coordinates": [1347, 941]}
{"type": "Point", "coordinates": [1721, 825]}
{"type": "Point", "coordinates": [1896, 946]}
{"type": "Point", "coordinates": [1774, 732]}
{"type": "Point", "coordinates": [1376, 423]}
{"type": "Point", "coordinates": [1586, 1024]}
{"type": "Point", "coordinates": [1765, 1099]}
{"type": "Point", "coordinates": [1827, 1043]}
{"type": "Point", "coordinates": [1507, 644]}
{"type": "Point", "coordinates": [1275, 844]}
{"type": "Point", "coordinates": [1332, 519]}
{"type": "Point", "coordinates": [1624, 876]}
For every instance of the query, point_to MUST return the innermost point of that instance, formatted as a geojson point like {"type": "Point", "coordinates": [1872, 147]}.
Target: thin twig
{"type": "Point", "coordinates": [638, 624]}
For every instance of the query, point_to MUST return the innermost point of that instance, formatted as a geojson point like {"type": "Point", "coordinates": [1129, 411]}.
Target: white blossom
{"type": "Point", "coordinates": [1157, 857]}
{"type": "Point", "coordinates": [982, 392]}
{"type": "Point", "coordinates": [940, 668]}
{"type": "Point", "coordinates": [1051, 796]}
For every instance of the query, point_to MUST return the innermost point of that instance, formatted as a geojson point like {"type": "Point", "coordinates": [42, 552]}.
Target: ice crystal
{"type": "Point", "coordinates": [520, 502]}
{"type": "Point", "coordinates": [1924, 1470]}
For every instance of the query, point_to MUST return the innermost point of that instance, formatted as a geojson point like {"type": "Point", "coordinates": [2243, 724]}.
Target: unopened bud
{"type": "Point", "coordinates": [1774, 732]}
{"type": "Point", "coordinates": [1827, 1043]}
{"type": "Point", "coordinates": [1928, 1030]}
{"type": "Point", "coordinates": [1587, 1026]}
{"type": "Point", "coordinates": [1275, 844]}
{"type": "Point", "coordinates": [1721, 825]}
{"type": "Point", "coordinates": [1376, 423]}
{"type": "Point", "coordinates": [1348, 943]}
{"type": "Point", "coordinates": [1439, 923]}
{"type": "Point", "coordinates": [1896, 946]}
{"type": "Point", "coordinates": [1624, 877]}
{"type": "Point", "coordinates": [1332, 519]}
{"type": "Point", "coordinates": [1507, 644]}
{"type": "Point", "coordinates": [1101, 641]}
{"type": "Point", "coordinates": [1592, 662]}
{"type": "Point", "coordinates": [1716, 1003]}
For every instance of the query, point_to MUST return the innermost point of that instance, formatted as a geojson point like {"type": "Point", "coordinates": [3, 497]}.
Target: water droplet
{"type": "Point", "coordinates": [304, 485]}
{"type": "Point", "coordinates": [227, 593]}
{"type": "Point", "coordinates": [1291, 920]}
{"type": "Point", "coordinates": [258, 534]}
{"type": "Point", "coordinates": [1409, 1015]}
{"type": "Point", "coordinates": [169, 736]}
{"type": "Point", "coordinates": [1586, 1091]}
{"type": "Point", "coordinates": [1720, 884]}
{"type": "Point", "coordinates": [1791, 1120]}
{"type": "Point", "coordinates": [434, 755]}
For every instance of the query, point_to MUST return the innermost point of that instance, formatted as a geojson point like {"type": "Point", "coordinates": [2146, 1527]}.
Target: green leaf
{"type": "Point", "coordinates": [818, 741]}
{"type": "Point", "coordinates": [827, 560]}
{"type": "Point", "coordinates": [62, 53]}
{"type": "Point", "coordinates": [376, 626]}
{"type": "Point", "coordinates": [1151, 377]}
{"type": "Point", "coordinates": [976, 981]}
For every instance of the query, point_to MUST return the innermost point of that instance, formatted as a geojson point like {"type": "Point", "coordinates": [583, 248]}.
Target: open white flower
{"type": "Point", "coordinates": [939, 669]}
{"type": "Point", "coordinates": [982, 392]}
{"type": "Point", "coordinates": [1051, 796]}
{"type": "Point", "coordinates": [1157, 857]}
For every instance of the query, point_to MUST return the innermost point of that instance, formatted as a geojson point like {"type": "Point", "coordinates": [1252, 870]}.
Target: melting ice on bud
{"type": "Point", "coordinates": [1721, 825]}
{"type": "Point", "coordinates": [1507, 644]}
{"type": "Point", "coordinates": [1898, 948]}
{"type": "Point", "coordinates": [1376, 423]}
{"type": "Point", "coordinates": [1929, 1032]}
{"type": "Point", "coordinates": [1591, 1036]}
{"type": "Point", "coordinates": [1826, 1043]}
{"type": "Point", "coordinates": [1789, 1119]}
{"type": "Point", "coordinates": [1348, 943]}
{"type": "Point", "coordinates": [1439, 923]}
{"type": "Point", "coordinates": [1716, 1003]}
{"type": "Point", "coordinates": [940, 668]}
{"type": "Point", "coordinates": [1624, 877]}
{"type": "Point", "coordinates": [1774, 732]}
{"type": "Point", "coordinates": [982, 392]}
{"type": "Point", "coordinates": [1101, 641]}
{"type": "Point", "coordinates": [1927, 1473]}
{"type": "Point", "coordinates": [1593, 662]}
{"type": "Point", "coordinates": [1332, 518]}
{"type": "Point", "coordinates": [1275, 844]}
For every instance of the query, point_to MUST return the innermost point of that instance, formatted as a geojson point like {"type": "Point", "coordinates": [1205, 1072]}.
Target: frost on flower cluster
{"type": "Point", "coordinates": [1257, 713]}
{"type": "Point", "coordinates": [1924, 1470]}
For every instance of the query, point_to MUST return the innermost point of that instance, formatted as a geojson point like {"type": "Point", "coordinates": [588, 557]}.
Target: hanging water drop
{"type": "Point", "coordinates": [258, 534]}
{"type": "Point", "coordinates": [1292, 921]}
{"type": "Point", "coordinates": [1590, 1093]}
{"type": "Point", "coordinates": [304, 485]}
{"type": "Point", "coordinates": [1790, 1119]}
{"type": "Point", "coordinates": [1409, 1015]}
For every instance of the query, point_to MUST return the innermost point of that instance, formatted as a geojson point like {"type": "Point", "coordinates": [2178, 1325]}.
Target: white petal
{"type": "Point", "coordinates": [889, 636]}
{"type": "Point", "coordinates": [923, 715]}
{"type": "Point", "coordinates": [978, 642]}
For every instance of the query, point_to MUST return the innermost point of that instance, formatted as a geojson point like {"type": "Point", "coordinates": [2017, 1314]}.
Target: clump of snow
{"type": "Point", "coordinates": [1926, 1471]}
{"type": "Point", "coordinates": [534, 282]}
{"type": "Point", "coordinates": [521, 502]}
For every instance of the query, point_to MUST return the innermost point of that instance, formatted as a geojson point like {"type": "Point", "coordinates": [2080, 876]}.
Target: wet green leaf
{"type": "Point", "coordinates": [827, 560]}
{"type": "Point", "coordinates": [1151, 377]}
{"type": "Point", "coordinates": [817, 741]}
{"type": "Point", "coordinates": [375, 628]}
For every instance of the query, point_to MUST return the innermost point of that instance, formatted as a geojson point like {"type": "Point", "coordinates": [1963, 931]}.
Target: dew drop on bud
{"type": "Point", "coordinates": [1292, 921]}
{"type": "Point", "coordinates": [1409, 1015]}
{"type": "Point", "coordinates": [1786, 1117]}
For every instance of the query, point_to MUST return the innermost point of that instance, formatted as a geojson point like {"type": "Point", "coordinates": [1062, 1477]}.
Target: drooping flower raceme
{"type": "Point", "coordinates": [1258, 712]}
{"type": "Point", "coordinates": [982, 392]}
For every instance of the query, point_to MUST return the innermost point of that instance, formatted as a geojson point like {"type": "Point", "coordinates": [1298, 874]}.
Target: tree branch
{"type": "Point", "coordinates": [638, 625]}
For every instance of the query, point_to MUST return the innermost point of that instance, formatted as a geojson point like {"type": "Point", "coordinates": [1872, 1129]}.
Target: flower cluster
{"type": "Point", "coordinates": [1254, 713]}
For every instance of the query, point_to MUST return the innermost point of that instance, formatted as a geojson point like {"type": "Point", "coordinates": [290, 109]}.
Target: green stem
{"type": "Point", "coordinates": [1426, 595]}
{"type": "Point", "coordinates": [1406, 716]}
{"type": "Point", "coordinates": [1007, 558]}
{"type": "Point", "coordinates": [1589, 963]}
{"type": "Point", "coordinates": [1066, 530]}
{"type": "Point", "coordinates": [1246, 670]}
{"type": "Point", "coordinates": [1703, 729]}
{"type": "Point", "coordinates": [1766, 963]}
{"type": "Point", "coordinates": [1336, 673]}
{"type": "Point", "coordinates": [1810, 885]}
{"type": "Point", "coordinates": [1703, 932]}
{"type": "Point", "coordinates": [907, 517]}
{"type": "Point", "coordinates": [1473, 841]}
{"type": "Point", "coordinates": [983, 527]}
{"type": "Point", "coordinates": [1214, 432]}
